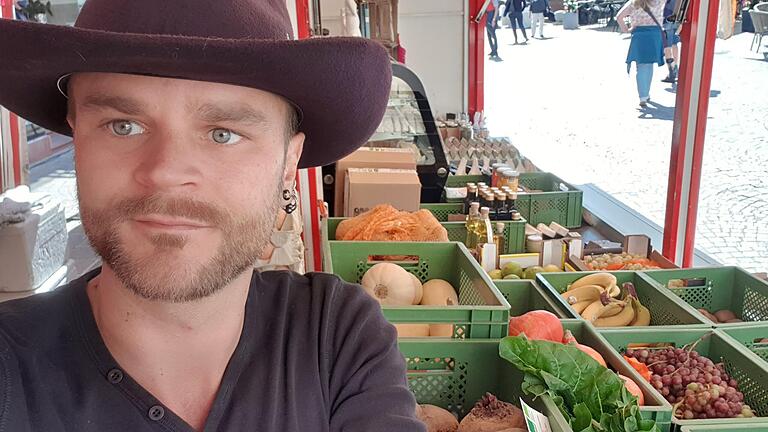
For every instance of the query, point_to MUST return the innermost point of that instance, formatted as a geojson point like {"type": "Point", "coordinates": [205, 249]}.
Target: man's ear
{"type": "Point", "coordinates": [292, 156]}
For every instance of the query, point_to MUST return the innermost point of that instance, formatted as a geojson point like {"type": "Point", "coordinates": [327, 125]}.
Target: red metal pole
{"type": "Point", "coordinates": [6, 11]}
{"type": "Point", "coordinates": [689, 131]}
{"type": "Point", "coordinates": [302, 15]}
{"type": "Point", "coordinates": [476, 55]}
{"type": "Point", "coordinates": [701, 130]}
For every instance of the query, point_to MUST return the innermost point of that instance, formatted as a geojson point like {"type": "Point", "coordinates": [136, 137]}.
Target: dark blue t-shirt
{"type": "Point", "coordinates": [315, 354]}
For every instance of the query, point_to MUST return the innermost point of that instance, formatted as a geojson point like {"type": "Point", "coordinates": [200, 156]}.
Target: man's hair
{"type": "Point", "coordinates": [292, 126]}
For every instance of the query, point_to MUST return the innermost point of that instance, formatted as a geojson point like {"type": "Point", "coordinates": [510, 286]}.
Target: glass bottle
{"type": "Point", "coordinates": [502, 210]}
{"type": "Point", "coordinates": [484, 227]}
{"type": "Point", "coordinates": [473, 220]}
{"type": "Point", "coordinates": [490, 202]}
{"type": "Point", "coordinates": [470, 198]}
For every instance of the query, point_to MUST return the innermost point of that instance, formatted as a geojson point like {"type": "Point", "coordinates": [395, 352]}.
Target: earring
{"type": "Point", "coordinates": [289, 196]}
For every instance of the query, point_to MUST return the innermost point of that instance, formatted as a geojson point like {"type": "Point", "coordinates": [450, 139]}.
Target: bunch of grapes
{"type": "Point", "coordinates": [698, 387]}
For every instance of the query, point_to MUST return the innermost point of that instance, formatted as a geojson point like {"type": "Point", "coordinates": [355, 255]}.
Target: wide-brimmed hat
{"type": "Point", "coordinates": [339, 85]}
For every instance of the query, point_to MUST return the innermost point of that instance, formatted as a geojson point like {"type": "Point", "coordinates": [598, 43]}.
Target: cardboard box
{"type": "Point", "coordinates": [367, 187]}
{"type": "Point", "coordinates": [369, 157]}
{"type": "Point", "coordinates": [636, 244]}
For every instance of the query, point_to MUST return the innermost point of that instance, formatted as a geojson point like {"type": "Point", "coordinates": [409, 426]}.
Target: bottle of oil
{"type": "Point", "coordinates": [484, 227]}
{"type": "Point", "coordinates": [473, 220]}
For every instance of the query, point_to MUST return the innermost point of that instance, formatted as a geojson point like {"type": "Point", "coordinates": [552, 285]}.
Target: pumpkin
{"type": "Point", "coordinates": [390, 284]}
{"type": "Point", "coordinates": [441, 330]}
{"type": "Point", "coordinates": [412, 330]}
{"type": "Point", "coordinates": [438, 292]}
{"type": "Point", "coordinates": [592, 353]}
{"type": "Point", "coordinates": [633, 388]}
{"type": "Point", "coordinates": [537, 325]}
{"type": "Point", "coordinates": [418, 287]}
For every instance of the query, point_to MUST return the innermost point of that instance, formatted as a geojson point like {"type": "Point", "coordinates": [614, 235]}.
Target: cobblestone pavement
{"type": "Point", "coordinates": [568, 104]}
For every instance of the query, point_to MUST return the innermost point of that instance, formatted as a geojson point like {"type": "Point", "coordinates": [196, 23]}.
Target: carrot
{"type": "Point", "coordinates": [639, 367]}
{"type": "Point", "coordinates": [615, 267]}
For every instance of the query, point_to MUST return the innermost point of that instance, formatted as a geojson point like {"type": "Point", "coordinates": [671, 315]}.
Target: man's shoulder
{"type": "Point", "coordinates": [35, 319]}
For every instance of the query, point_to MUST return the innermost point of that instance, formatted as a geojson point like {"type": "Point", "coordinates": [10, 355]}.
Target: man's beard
{"type": "Point", "coordinates": [155, 276]}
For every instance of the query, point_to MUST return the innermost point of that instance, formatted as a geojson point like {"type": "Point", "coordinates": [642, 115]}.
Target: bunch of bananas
{"type": "Point", "coordinates": [599, 300]}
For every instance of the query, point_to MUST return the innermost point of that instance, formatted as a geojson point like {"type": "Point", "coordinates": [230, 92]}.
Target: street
{"type": "Point", "coordinates": [568, 104]}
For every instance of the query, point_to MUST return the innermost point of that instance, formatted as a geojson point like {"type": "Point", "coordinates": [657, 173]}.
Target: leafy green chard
{"type": "Point", "coordinates": [590, 396]}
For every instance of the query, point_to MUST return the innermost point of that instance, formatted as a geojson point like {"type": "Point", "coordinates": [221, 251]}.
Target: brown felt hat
{"type": "Point", "coordinates": [339, 85]}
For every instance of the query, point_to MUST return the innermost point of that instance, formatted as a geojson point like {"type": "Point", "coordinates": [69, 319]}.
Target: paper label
{"type": "Point", "coordinates": [534, 420]}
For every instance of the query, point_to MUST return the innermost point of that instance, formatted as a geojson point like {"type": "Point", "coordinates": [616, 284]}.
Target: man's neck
{"type": "Point", "coordinates": [178, 352]}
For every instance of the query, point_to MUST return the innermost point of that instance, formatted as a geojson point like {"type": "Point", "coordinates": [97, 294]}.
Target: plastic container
{"type": "Point", "coordinates": [455, 374]}
{"type": "Point", "coordinates": [483, 312]}
{"type": "Point", "coordinates": [727, 288]}
{"type": "Point", "coordinates": [762, 427]}
{"type": "Point", "coordinates": [559, 202]}
{"type": "Point", "coordinates": [742, 365]}
{"type": "Point", "coordinates": [525, 296]}
{"type": "Point", "coordinates": [750, 336]}
{"type": "Point", "coordinates": [666, 309]}
{"type": "Point", "coordinates": [656, 407]}
{"type": "Point", "coordinates": [514, 233]}
{"type": "Point", "coordinates": [33, 250]}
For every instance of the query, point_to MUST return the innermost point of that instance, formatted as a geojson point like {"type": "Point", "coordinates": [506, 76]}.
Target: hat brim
{"type": "Point", "coordinates": [341, 85]}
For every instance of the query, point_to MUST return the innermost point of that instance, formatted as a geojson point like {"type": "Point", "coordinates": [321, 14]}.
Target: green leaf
{"type": "Point", "coordinates": [576, 381]}
{"type": "Point", "coordinates": [582, 417]}
{"type": "Point", "coordinates": [630, 424]}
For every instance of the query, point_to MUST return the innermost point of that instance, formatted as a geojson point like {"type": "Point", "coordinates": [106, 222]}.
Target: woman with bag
{"type": "Point", "coordinates": [646, 46]}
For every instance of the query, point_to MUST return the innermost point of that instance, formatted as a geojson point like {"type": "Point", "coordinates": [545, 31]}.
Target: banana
{"type": "Point", "coordinates": [611, 312]}
{"type": "Point", "coordinates": [580, 306]}
{"type": "Point", "coordinates": [583, 293]}
{"type": "Point", "coordinates": [614, 291]}
{"type": "Point", "coordinates": [642, 315]}
{"type": "Point", "coordinates": [591, 311]}
{"type": "Point", "coordinates": [605, 280]}
{"type": "Point", "coordinates": [621, 319]}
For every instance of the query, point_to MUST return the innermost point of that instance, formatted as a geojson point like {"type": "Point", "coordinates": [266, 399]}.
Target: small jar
{"type": "Point", "coordinates": [496, 169]}
{"type": "Point", "coordinates": [512, 180]}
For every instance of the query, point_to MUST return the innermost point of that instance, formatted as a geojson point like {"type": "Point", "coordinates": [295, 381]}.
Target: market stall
{"type": "Point", "coordinates": [604, 332]}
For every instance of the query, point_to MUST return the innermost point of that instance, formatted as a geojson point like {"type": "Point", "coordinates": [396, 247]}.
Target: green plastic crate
{"type": "Point", "coordinates": [455, 374]}
{"type": "Point", "coordinates": [559, 202]}
{"type": "Point", "coordinates": [666, 309]}
{"type": "Point", "coordinates": [525, 296]}
{"type": "Point", "coordinates": [514, 233]}
{"type": "Point", "coordinates": [742, 365]}
{"type": "Point", "coordinates": [762, 427]}
{"type": "Point", "coordinates": [462, 180]}
{"type": "Point", "coordinates": [727, 288]}
{"type": "Point", "coordinates": [656, 407]}
{"type": "Point", "coordinates": [483, 312]}
{"type": "Point", "coordinates": [750, 335]}
{"type": "Point", "coordinates": [442, 210]}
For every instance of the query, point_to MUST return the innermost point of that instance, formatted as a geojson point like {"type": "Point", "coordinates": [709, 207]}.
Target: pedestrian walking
{"type": "Point", "coordinates": [491, 20]}
{"type": "Point", "coordinates": [538, 8]}
{"type": "Point", "coordinates": [646, 46]}
{"type": "Point", "coordinates": [671, 50]}
{"type": "Point", "coordinates": [514, 11]}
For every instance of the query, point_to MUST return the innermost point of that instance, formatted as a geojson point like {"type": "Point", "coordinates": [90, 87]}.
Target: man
{"type": "Point", "coordinates": [190, 119]}
{"type": "Point", "coordinates": [538, 8]}
{"type": "Point", "coordinates": [515, 13]}
{"type": "Point", "coordinates": [491, 20]}
{"type": "Point", "coordinates": [671, 51]}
